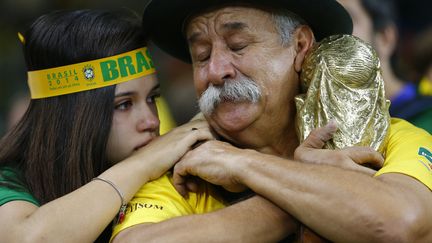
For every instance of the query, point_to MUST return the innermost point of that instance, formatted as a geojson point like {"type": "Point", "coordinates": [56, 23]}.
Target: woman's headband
{"type": "Point", "coordinates": [91, 74]}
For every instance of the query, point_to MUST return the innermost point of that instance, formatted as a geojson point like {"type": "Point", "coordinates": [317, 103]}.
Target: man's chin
{"type": "Point", "coordinates": [234, 117]}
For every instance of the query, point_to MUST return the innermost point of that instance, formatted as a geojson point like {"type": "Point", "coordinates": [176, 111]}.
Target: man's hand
{"type": "Point", "coordinates": [353, 158]}
{"type": "Point", "coordinates": [213, 161]}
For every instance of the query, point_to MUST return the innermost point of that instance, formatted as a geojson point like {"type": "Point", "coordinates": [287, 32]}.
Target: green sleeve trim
{"type": "Point", "coordinates": [8, 195]}
{"type": "Point", "coordinates": [11, 190]}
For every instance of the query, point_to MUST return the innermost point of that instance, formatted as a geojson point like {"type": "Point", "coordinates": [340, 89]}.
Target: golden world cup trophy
{"type": "Point", "coordinates": [341, 80]}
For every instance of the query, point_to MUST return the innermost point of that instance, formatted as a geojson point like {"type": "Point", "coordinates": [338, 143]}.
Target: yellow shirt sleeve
{"type": "Point", "coordinates": [409, 152]}
{"type": "Point", "coordinates": [158, 200]}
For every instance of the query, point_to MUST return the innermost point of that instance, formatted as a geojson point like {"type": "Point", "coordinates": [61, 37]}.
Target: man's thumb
{"type": "Point", "coordinates": [319, 136]}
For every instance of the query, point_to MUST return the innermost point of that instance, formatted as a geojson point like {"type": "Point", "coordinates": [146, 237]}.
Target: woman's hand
{"type": "Point", "coordinates": [163, 152]}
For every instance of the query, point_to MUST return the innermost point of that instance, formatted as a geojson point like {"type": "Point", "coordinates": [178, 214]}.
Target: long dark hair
{"type": "Point", "coordinates": [60, 143]}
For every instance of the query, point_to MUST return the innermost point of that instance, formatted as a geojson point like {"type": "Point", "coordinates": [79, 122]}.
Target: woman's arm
{"type": "Point", "coordinates": [81, 215]}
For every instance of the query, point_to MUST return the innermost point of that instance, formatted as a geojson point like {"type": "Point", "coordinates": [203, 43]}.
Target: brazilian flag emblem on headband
{"type": "Point", "coordinates": [88, 71]}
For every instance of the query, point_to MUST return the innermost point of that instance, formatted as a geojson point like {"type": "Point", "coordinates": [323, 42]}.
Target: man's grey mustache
{"type": "Point", "coordinates": [233, 90]}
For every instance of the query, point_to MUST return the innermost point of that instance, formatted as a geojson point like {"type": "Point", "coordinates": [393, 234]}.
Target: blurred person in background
{"type": "Point", "coordinates": [422, 63]}
{"type": "Point", "coordinates": [375, 22]}
{"type": "Point", "coordinates": [422, 66]}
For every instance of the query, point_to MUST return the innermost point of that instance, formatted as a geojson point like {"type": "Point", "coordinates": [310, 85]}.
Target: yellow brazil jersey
{"type": "Point", "coordinates": [409, 152]}
{"type": "Point", "coordinates": [166, 120]}
{"type": "Point", "coordinates": [158, 200]}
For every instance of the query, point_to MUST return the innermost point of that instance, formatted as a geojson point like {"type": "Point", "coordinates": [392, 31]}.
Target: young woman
{"type": "Point", "coordinates": [88, 140]}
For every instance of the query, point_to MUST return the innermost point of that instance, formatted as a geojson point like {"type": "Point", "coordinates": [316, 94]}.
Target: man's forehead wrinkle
{"type": "Point", "coordinates": [234, 26]}
{"type": "Point", "coordinates": [225, 20]}
{"type": "Point", "coordinates": [217, 17]}
{"type": "Point", "coordinates": [200, 21]}
{"type": "Point", "coordinates": [207, 23]}
{"type": "Point", "coordinates": [197, 27]}
{"type": "Point", "coordinates": [243, 18]}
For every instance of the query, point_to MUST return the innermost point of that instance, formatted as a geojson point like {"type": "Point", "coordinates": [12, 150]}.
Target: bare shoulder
{"type": "Point", "coordinates": [14, 213]}
{"type": "Point", "coordinates": [16, 209]}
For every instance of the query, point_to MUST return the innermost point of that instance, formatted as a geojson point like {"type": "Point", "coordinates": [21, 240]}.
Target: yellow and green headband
{"type": "Point", "coordinates": [90, 75]}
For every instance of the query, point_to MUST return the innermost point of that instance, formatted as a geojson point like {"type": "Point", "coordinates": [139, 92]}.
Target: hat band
{"type": "Point", "coordinates": [90, 75]}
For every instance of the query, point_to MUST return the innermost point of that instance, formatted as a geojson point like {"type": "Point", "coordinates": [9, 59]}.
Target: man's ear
{"type": "Point", "coordinates": [303, 40]}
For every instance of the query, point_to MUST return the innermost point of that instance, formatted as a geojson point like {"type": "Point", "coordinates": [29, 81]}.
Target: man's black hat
{"type": "Point", "coordinates": [163, 20]}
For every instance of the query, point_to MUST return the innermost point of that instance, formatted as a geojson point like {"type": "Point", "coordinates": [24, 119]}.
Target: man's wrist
{"type": "Point", "coordinates": [242, 171]}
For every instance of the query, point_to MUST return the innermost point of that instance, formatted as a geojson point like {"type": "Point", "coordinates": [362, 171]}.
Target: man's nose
{"type": "Point", "coordinates": [220, 66]}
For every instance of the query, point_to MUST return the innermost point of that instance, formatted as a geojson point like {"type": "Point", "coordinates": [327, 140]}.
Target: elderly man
{"type": "Point", "coordinates": [246, 59]}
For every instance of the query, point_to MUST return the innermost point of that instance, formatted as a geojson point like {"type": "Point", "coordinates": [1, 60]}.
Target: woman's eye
{"type": "Point", "coordinates": [123, 105]}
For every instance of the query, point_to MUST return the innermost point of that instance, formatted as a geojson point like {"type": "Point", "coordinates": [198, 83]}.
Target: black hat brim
{"type": "Point", "coordinates": [163, 19]}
